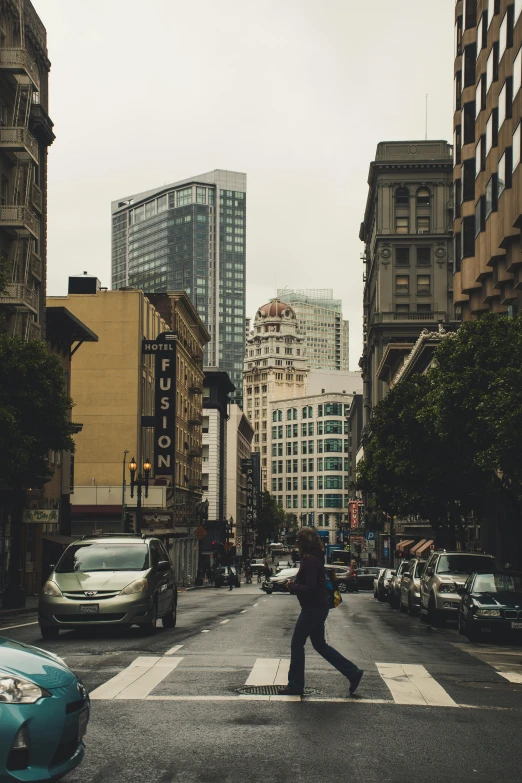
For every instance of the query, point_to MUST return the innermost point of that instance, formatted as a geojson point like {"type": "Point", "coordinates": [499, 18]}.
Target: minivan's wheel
{"type": "Point", "coordinates": [150, 627]}
{"type": "Point", "coordinates": [49, 632]}
{"type": "Point", "coordinates": [402, 608]}
{"type": "Point", "coordinates": [342, 587]}
{"type": "Point", "coordinates": [433, 616]}
{"type": "Point", "coordinates": [169, 620]}
{"type": "Point", "coordinates": [411, 610]}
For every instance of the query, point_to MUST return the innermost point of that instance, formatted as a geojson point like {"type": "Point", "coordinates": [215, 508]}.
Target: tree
{"type": "Point", "coordinates": [270, 519]}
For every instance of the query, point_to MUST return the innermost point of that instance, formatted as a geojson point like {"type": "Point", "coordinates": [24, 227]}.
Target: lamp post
{"type": "Point", "coordinates": [123, 487]}
{"type": "Point", "coordinates": [140, 481]}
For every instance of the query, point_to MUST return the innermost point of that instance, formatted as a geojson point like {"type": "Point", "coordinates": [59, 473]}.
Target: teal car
{"type": "Point", "coordinates": [44, 711]}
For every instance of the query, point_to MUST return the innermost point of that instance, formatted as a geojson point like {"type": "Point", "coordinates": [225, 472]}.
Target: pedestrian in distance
{"type": "Point", "coordinates": [310, 588]}
{"type": "Point", "coordinates": [231, 578]}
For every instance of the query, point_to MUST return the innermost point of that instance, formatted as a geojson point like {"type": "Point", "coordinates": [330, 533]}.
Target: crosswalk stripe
{"type": "Point", "coordinates": [116, 684]}
{"type": "Point", "coordinates": [173, 649]}
{"type": "Point", "coordinates": [264, 671]}
{"type": "Point", "coordinates": [412, 684]}
{"type": "Point", "coordinates": [224, 621]}
{"type": "Point", "coordinates": [492, 657]}
{"type": "Point", "coordinates": [140, 689]}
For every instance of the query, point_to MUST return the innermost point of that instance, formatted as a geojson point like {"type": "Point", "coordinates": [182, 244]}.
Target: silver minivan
{"type": "Point", "coordinates": [111, 580]}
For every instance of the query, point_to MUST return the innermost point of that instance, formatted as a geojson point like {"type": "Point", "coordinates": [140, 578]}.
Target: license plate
{"type": "Point", "coordinates": [89, 608]}
{"type": "Point", "coordinates": [516, 626]}
{"type": "Point", "coordinates": [83, 719]}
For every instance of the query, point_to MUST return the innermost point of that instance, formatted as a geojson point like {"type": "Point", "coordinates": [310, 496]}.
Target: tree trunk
{"type": "Point", "coordinates": [13, 596]}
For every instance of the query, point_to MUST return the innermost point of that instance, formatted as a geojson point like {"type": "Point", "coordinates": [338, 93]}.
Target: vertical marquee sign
{"type": "Point", "coordinates": [164, 348]}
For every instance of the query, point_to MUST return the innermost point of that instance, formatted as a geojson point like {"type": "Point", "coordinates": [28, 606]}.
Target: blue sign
{"type": "Point", "coordinates": [386, 552]}
{"type": "Point", "coordinates": [370, 535]}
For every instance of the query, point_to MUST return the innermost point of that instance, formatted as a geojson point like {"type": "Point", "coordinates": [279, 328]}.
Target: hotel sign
{"type": "Point", "coordinates": [164, 348]}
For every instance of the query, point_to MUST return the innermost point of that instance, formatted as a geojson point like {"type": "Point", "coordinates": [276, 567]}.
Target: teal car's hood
{"type": "Point", "coordinates": [21, 660]}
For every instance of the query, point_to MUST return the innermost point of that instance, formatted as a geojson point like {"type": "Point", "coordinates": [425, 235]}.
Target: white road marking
{"type": "Point", "coordinates": [22, 625]}
{"type": "Point", "coordinates": [281, 677]}
{"type": "Point", "coordinates": [243, 612]}
{"type": "Point", "coordinates": [255, 604]}
{"type": "Point", "coordinates": [412, 684]}
{"type": "Point", "coordinates": [490, 656]}
{"type": "Point", "coordinates": [264, 671]}
{"type": "Point", "coordinates": [515, 677]}
{"type": "Point", "coordinates": [141, 687]}
{"type": "Point", "coordinates": [224, 621]}
{"type": "Point", "coordinates": [114, 686]}
{"type": "Point", "coordinates": [173, 649]}
{"type": "Point", "coordinates": [207, 630]}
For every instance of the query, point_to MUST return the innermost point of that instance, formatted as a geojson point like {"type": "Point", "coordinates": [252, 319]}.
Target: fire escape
{"type": "Point", "coordinates": [21, 199]}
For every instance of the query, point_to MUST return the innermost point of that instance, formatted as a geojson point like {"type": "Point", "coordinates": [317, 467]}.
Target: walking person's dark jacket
{"type": "Point", "coordinates": [310, 584]}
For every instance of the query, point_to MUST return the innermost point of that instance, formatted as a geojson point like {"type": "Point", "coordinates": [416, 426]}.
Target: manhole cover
{"type": "Point", "coordinates": [270, 690]}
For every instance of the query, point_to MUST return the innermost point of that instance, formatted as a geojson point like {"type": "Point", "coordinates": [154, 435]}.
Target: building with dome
{"type": "Point", "coordinates": [275, 368]}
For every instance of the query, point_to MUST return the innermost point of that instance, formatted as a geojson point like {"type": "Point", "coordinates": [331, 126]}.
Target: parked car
{"type": "Point", "coordinates": [345, 576]}
{"type": "Point", "coordinates": [383, 583]}
{"type": "Point", "coordinates": [283, 565]}
{"type": "Point", "coordinates": [409, 597]}
{"type": "Point", "coordinates": [257, 565]}
{"type": "Point", "coordinates": [116, 580]}
{"type": "Point", "coordinates": [394, 592]}
{"type": "Point", "coordinates": [224, 575]}
{"type": "Point", "coordinates": [444, 573]}
{"type": "Point", "coordinates": [366, 577]}
{"type": "Point", "coordinates": [44, 712]}
{"type": "Point", "coordinates": [376, 581]}
{"type": "Point", "coordinates": [277, 583]}
{"type": "Point", "coordinates": [491, 603]}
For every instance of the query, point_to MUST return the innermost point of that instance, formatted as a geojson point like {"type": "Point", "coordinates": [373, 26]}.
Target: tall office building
{"type": "Point", "coordinates": [320, 320]}
{"type": "Point", "coordinates": [190, 236]}
{"type": "Point", "coordinates": [487, 158]}
{"type": "Point", "coordinates": [25, 134]}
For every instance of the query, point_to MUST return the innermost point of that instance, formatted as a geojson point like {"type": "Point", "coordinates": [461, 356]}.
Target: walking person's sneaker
{"type": "Point", "coordinates": [354, 682]}
{"type": "Point", "coordinates": [288, 690]}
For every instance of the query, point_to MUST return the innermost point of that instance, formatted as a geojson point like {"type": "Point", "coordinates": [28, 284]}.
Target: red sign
{"type": "Point", "coordinates": [228, 546]}
{"type": "Point", "coordinates": [353, 506]}
{"type": "Point", "coordinates": [200, 532]}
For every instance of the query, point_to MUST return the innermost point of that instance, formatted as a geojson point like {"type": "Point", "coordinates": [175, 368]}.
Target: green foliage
{"type": "Point", "coordinates": [271, 519]}
{"type": "Point", "coordinates": [34, 412]}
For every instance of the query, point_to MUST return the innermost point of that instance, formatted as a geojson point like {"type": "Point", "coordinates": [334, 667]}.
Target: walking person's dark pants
{"type": "Point", "coordinates": [310, 623]}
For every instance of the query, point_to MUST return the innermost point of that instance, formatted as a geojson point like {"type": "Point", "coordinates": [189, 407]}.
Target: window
{"type": "Point", "coordinates": [402, 225]}
{"type": "Point", "coordinates": [504, 172]}
{"type": "Point", "coordinates": [458, 90]}
{"type": "Point", "coordinates": [516, 147]}
{"type": "Point", "coordinates": [518, 9]}
{"type": "Point", "coordinates": [470, 58]}
{"type": "Point", "coordinates": [402, 308]}
{"type": "Point", "coordinates": [402, 256]}
{"type": "Point", "coordinates": [480, 156]}
{"type": "Point", "coordinates": [333, 501]}
{"type": "Point", "coordinates": [491, 196]}
{"type": "Point", "coordinates": [457, 144]}
{"type": "Point", "coordinates": [469, 123]}
{"type": "Point", "coordinates": [423, 224]}
{"type": "Point", "coordinates": [333, 463]}
{"type": "Point", "coordinates": [423, 256]}
{"type": "Point", "coordinates": [468, 180]}
{"type": "Point", "coordinates": [470, 13]}
{"type": "Point", "coordinates": [480, 220]}
{"type": "Point", "coordinates": [482, 34]}
{"type": "Point", "coordinates": [333, 444]}
{"type": "Point", "coordinates": [319, 410]}
{"type": "Point", "coordinates": [493, 6]}
{"type": "Point", "coordinates": [402, 197]}
{"type": "Point", "coordinates": [505, 40]}
{"type": "Point", "coordinates": [517, 73]}
{"type": "Point", "coordinates": [424, 308]}
{"type": "Point", "coordinates": [492, 67]}
{"type": "Point", "coordinates": [492, 131]}
{"type": "Point", "coordinates": [184, 197]}
{"type": "Point", "coordinates": [333, 482]}
{"type": "Point", "coordinates": [201, 195]}
{"type": "Point", "coordinates": [423, 197]}
{"type": "Point", "coordinates": [505, 101]}
{"type": "Point", "coordinates": [423, 285]}
{"type": "Point", "coordinates": [467, 237]}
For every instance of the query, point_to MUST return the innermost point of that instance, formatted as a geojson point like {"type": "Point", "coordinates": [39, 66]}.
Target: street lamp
{"type": "Point", "coordinates": [140, 481]}
{"type": "Point", "coordinates": [123, 486]}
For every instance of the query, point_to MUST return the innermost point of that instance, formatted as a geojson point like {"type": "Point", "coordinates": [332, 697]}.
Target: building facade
{"type": "Point", "coordinates": [25, 134]}
{"type": "Point", "coordinates": [320, 320]}
{"type": "Point", "coordinates": [407, 232]}
{"type": "Point", "coordinates": [275, 368]}
{"type": "Point", "coordinates": [239, 437]}
{"type": "Point", "coordinates": [190, 236]}
{"type": "Point", "coordinates": [487, 155]}
{"type": "Point", "coordinates": [309, 472]}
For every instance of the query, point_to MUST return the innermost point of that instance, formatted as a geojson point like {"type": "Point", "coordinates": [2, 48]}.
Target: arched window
{"type": "Point", "coordinates": [402, 197]}
{"type": "Point", "coordinates": [423, 197]}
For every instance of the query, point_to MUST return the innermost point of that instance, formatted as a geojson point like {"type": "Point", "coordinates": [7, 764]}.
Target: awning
{"type": "Point", "coordinates": [426, 545]}
{"type": "Point", "coordinates": [414, 549]}
{"type": "Point", "coordinates": [403, 544]}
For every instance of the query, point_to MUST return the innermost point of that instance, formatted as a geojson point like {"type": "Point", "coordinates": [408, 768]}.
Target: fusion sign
{"type": "Point", "coordinates": [164, 347]}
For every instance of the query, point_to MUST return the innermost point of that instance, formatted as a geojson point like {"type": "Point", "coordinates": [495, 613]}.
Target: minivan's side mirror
{"type": "Point", "coordinates": [461, 589]}
{"type": "Point", "coordinates": [429, 571]}
{"type": "Point", "coordinates": [163, 565]}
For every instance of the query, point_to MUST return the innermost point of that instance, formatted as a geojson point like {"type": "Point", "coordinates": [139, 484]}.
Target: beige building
{"type": "Point", "coordinates": [275, 369]}
{"type": "Point", "coordinates": [113, 388]}
{"type": "Point", "coordinates": [239, 439]}
{"type": "Point", "coordinates": [25, 134]}
{"type": "Point", "coordinates": [407, 232]}
{"type": "Point", "coordinates": [487, 157]}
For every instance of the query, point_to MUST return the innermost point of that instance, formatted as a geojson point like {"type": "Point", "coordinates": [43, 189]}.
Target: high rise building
{"type": "Point", "coordinates": [320, 320]}
{"type": "Point", "coordinates": [25, 134]}
{"type": "Point", "coordinates": [190, 236]}
{"type": "Point", "coordinates": [487, 157]}
{"type": "Point", "coordinates": [275, 369]}
{"type": "Point", "coordinates": [407, 231]}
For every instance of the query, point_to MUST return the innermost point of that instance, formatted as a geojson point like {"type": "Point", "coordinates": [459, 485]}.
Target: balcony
{"type": "Point", "coordinates": [26, 328]}
{"type": "Point", "coordinates": [16, 139]}
{"type": "Point", "coordinates": [195, 421]}
{"type": "Point", "coordinates": [19, 295]}
{"type": "Point", "coordinates": [36, 198]}
{"type": "Point", "coordinates": [19, 61]}
{"type": "Point", "coordinates": [196, 390]}
{"type": "Point", "coordinates": [36, 266]}
{"type": "Point", "coordinates": [20, 219]}
{"type": "Point", "coordinates": [382, 318]}
{"type": "Point", "coordinates": [193, 452]}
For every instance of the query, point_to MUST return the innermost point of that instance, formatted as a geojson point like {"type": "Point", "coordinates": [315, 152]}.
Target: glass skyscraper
{"type": "Point", "coordinates": [190, 236]}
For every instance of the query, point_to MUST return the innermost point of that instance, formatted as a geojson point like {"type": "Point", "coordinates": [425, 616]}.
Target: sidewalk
{"type": "Point", "coordinates": [31, 605]}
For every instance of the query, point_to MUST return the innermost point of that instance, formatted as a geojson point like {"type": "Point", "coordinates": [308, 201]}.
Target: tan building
{"type": "Point", "coordinates": [275, 369]}
{"type": "Point", "coordinates": [113, 388]}
{"type": "Point", "coordinates": [25, 134]}
{"type": "Point", "coordinates": [487, 155]}
{"type": "Point", "coordinates": [239, 442]}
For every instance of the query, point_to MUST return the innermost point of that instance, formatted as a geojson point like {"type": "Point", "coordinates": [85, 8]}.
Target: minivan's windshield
{"type": "Point", "coordinates": [465, 564]}
{"type": "Point", "coordinates": [103, 557]}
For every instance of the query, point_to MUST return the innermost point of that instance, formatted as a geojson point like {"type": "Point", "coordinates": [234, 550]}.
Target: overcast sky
{"type": "Point", "coordinates": [296, 93]}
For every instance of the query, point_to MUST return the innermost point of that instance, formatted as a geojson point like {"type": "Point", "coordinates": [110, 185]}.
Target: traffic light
{"type": "Point", "coordinates": [128, 525]}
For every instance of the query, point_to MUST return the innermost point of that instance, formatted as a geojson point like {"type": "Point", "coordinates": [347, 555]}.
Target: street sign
{"type": "Point", "coordinates": [200, 532]}
{"type": "Point", "coordinates": [370, 535]}
{"type": "Point", "coordinates": [228, 546]}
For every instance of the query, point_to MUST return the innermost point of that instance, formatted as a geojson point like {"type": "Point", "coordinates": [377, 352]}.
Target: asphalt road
{"type": "Point", "coordinates": [431, 706]}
